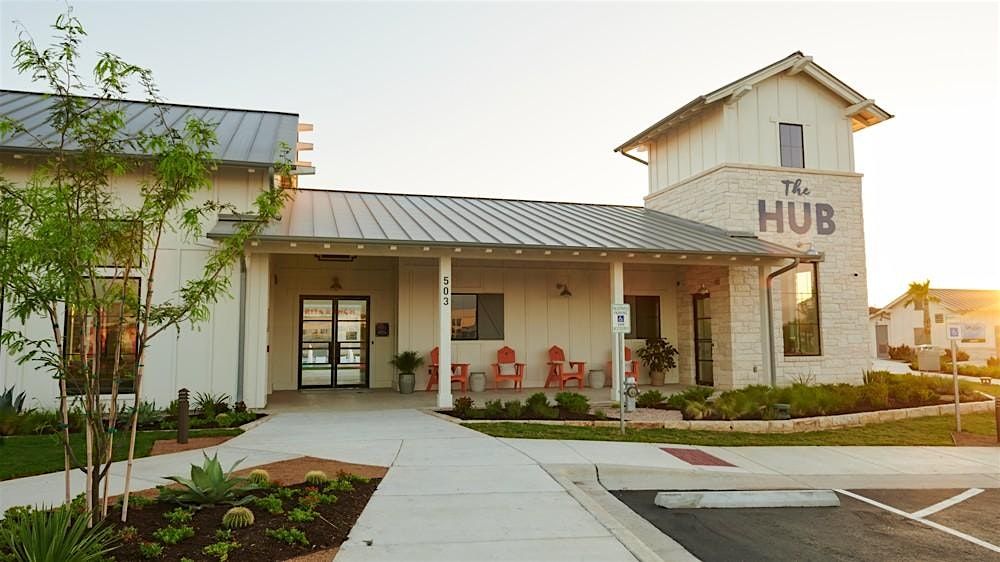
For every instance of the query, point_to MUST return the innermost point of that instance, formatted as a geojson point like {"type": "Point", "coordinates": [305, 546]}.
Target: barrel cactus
{"type": "Point", "coordinates": [259, 477]}
{"type": "Point", "coordinates": [237, 517]}
{"type": "Point", "coordinates": [316, 477]}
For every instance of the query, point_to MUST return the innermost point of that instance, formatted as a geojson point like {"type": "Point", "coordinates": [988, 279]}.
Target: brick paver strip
{"type": "Point", "coordinates": [695, 457]}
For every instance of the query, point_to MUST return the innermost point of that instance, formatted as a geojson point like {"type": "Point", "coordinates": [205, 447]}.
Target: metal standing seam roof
{"type": "Point", "coordinates": [244, 136]}
{"type": "Point", "coordinates": [358, 217]}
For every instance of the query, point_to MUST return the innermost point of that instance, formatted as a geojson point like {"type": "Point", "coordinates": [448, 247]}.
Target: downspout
{"type": "Point", "coordinates": [770, 318]}
{"type": "Point", "coordinates": [240, 357]}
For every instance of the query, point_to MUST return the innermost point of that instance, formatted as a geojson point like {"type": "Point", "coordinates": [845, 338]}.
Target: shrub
{"type": "Point", "coordinates": [223, 534]}
{"type": "Point", "coordinates": [538, 405]}
{"type": "Point", "coordinates": [493, 409]}
{"type": "Point", "coordinates": [240, 407]}
{"type": "Point", "coordinates": [649, 399]}
{"type": "Point", "coordinates": [960, 355]}
{"type": "Point", "coordinates": [513, 409]}
{"type": "Point", "coordinates": [875, 395]}
{"type": "Point", "coordinates": [463, 405]}
{"type": "Point", "coordinates": [178, 515]}
{"type": "Point", "coordinates": [211, 405]}
{"type": "Point", "coordinates": [237, 518]}
{"type": "Point", "coordinates": [147, 413]}
{"type": "Point", "coordinates": [271, 504]}
{"type": "Point", "coordinates": [993, 362]}
{"type": "Point", "coordinates": [300, 515]}
{"type": "Point", "coordinates": [901, 353]}
{"type": "Point", "coordinates": [259, 477]}
{"type": "Point", "coordinates": [59, 535]}
{"type": "Point", "coordinates": [288, 535]}
{"type": "Point", "coordinates": [573, 402]}
{"type": "Point", "coordinates": [10, 402]}
{"type": "Point", "coordinates": [128, 534]}
{"type": "Point", "coordinates": [876, 377]}
{"type": "Point", "coordinates": [352, 478]}
{"type": "Point", "coordinates": [208, 485]}
{"type": "Point", "coordinates": [220, 550]}
{"type": "Point", "coordinates": [223, 420]}
{"type": "Point", "coordinates": [658, 355]}
{"type": "Point", "coordinates": [150, 550]}
{"type": "Point", "coordinates": [316, 477]}
{"type": "Point", "coordinates": [172, 534]}
{"type": "Point", "coordinates": [339, 485]}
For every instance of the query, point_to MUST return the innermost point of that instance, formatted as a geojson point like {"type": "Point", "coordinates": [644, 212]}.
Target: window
{"type": "Point", "coordinates": [645, 313]}
{"type": "Point", "coordinates": [939, 318]}
{"type": "Point", "coordinates": [102, 342]}
{"type": "Point", "coordinates": [792, 152]}
{"type": "Point", "coordinates": [800, 311]}
{"type": "Point", "coordinates": [920, 338]}
{"type": "Point", "coordinates": [477, 317]}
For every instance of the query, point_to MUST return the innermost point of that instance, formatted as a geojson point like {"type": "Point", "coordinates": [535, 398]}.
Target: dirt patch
{"type": "Point", "coordinates": [164, 446]}
{"type": "Point", "coordinates": [293, 471]}
{"type": "Point", "coordinates": [318, 556]}
{"type": "Point", "coordinates": [972, 440]}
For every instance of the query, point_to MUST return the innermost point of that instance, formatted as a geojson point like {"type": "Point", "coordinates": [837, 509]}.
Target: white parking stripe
{"type": "Point", "coordinates": [938, 526]}
{"type": "Point", "coordinates": [958, 498]}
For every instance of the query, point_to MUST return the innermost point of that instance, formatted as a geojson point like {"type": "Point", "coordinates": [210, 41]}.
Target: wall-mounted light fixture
{"type": "Point", "coordinates": [563, 290]}
{"type": "Point", "coordinates": [336, 286]}
{"type": "Point", "coordinates": [702, 289]}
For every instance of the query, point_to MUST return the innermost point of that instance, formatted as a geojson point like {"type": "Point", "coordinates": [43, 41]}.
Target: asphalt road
{"type": "Point", "coordinates": [856, 530]}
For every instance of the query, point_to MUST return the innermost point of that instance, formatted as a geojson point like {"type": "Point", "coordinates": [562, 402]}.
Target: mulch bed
{"type": "Point", "coordinates": [324, 533]}
{"type": "Point", "coordinates": [166, 446]}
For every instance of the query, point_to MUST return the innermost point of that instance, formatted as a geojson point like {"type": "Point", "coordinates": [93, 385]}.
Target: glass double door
{"type": "Point", "coordinates": [333, 342]}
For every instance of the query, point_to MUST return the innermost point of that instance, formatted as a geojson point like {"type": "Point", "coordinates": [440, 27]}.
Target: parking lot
{"type": "Point", "coordinates": [941, 524]}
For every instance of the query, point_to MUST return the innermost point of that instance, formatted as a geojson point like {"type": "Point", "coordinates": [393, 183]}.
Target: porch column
{"type": "Point", "coordinates": [617, 359]}
{"type": "Point", "coordinates": [444, 332]}
{"type": "Point", "coordinates": [764, 376]}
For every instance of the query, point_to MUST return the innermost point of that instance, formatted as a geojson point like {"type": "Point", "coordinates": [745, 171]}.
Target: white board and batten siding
{"type": "Point", "coordinates": [746, 132]}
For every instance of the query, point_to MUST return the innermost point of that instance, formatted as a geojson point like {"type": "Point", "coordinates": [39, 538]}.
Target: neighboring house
{"type": "Point", "coordinates": [898, 323]}
{"type": "Point", "coordinates": [745, 182]}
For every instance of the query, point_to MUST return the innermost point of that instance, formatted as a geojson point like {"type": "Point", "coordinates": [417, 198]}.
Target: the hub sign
{"type": "Point", "coordinates": [800, 218]}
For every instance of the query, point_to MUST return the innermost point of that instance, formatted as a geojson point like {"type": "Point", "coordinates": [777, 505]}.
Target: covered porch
{"type": "Point", "coordinates": [347, 280]}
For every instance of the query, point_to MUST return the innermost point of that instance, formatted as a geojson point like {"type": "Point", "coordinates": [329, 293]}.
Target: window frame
{"type": "Point", "coordinates": [801, 147]}
{"type": "Point", "coordinates": [633, 316]}
{"type": "Point", "coordinates": [819, 315]}
{"type": "Point", "coordinates": [76, 390]}
{"type": "Point", "coordinates": [503, 326]}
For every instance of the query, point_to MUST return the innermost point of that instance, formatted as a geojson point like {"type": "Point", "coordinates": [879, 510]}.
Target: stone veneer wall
{"type": "Point", "coordinates": [727, 196]}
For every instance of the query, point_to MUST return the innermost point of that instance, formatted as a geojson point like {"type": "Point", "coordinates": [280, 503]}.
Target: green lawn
{"type": "Point", "coordinates": [25, 455]}
{"type": "Point", "coordinates": [916, 431]}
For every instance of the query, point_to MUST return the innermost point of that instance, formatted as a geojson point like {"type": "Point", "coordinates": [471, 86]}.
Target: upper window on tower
{"type": "Point", "coordinates": [792, 153]}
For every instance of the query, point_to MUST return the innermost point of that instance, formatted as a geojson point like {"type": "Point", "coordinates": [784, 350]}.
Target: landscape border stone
{"type": "Point", "coordinates": [796, 425]}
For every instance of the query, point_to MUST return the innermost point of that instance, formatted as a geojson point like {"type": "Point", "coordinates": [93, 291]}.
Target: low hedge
{"type": "Point", "coordinates": [881, 391]}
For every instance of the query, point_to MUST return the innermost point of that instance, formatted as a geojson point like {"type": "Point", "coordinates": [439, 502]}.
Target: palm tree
{"type": "Point", "coordinates": [919, 296]}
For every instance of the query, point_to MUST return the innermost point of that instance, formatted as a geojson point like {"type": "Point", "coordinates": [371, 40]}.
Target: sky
{"type": "Point", "coordinates": [527, 100]}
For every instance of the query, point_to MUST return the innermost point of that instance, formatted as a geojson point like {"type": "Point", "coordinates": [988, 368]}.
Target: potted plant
{"type": "Point", "coordinates": [406, 362]}
{"type": "Point", "coordinates": [659, 357]}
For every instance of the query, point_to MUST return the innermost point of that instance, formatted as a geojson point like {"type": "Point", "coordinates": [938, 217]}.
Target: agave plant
{"type": "Point", "coordinates": [11, 403]}
{"type": "Point", "coordinates": [209, 485]}
{"type": "Point", "coordinates": [59, 535]}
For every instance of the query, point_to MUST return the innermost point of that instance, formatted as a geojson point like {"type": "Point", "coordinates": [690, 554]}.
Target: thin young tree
{"type": "Point", "coordinates": [73, 247]}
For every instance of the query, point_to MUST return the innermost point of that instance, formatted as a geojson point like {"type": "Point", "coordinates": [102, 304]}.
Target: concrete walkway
{"type": "Point", "coordinates": [455, 494]}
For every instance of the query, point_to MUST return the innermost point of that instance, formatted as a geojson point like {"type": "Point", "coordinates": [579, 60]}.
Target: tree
{"type": "Point", "coordinates": [72, 245]}
{"type": "Point", "coordinates": [918, 295]}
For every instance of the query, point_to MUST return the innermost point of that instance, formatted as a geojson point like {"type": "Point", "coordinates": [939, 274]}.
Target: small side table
{"type": "Point", "coordinates": [477, 381]}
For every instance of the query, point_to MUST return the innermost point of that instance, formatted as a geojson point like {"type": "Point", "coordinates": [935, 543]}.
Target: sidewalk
{"type": "Point", "coordinates": [455, 494]}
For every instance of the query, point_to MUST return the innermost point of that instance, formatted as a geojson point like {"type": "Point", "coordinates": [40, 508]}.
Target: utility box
{"type": "Point", "coordinates": [929, 360]}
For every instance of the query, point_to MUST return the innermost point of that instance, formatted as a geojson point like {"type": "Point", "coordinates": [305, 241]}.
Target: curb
{"type": "Point", "coordinates": [632, 543]}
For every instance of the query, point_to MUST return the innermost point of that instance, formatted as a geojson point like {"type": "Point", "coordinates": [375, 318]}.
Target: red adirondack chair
{"type": "Point", "coordinates": [631, 368]}
{"type": "Point", "coordinates": [508, 369]}
{"type": "Point", "coordinates": [462, 376]}
{"type": "Point", "coordinates": [557, 361]}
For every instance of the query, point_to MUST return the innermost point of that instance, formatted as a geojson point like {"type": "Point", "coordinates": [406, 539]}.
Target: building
{"type": "Point", "coordinates": [900, 323]}
{"type": "Point", "coordinates": [754, 206]}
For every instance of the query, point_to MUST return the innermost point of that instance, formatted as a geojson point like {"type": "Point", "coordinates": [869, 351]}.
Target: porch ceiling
{"type": "Point", "coordinates": [417, 220]}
